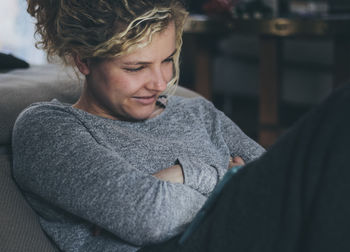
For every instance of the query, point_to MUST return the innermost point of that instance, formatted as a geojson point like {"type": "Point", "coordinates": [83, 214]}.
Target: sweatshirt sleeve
{"type": "Point", "coordinates": [199, 175]}
{"type": "Point", "coordinates": [237, 141]}
{"type": "Point", "coordinates": [59, 161]}
{"type": "Point", "coordinates": [221, 127]}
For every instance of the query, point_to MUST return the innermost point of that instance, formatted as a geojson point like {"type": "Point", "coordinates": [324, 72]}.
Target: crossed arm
{"type": "Point", "coordinates": [175, 174]}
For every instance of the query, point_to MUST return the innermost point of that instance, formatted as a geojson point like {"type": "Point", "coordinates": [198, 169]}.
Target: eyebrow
{"type": "Point", "coordinates": [146, 62]}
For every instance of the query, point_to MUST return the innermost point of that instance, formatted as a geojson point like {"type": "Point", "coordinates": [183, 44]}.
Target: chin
{"type": "Point", "coordinates": [138, 117]}
{"type": "Point", "coordinates": [142, 117]}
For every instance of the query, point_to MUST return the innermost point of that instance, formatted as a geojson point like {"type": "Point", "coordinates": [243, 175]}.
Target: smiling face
{"type": "Point", "coordinates": [127, 87]}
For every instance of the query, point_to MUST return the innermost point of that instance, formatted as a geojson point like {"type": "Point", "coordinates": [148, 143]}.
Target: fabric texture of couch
{"type": "Point", "coordinates": [20, 229]}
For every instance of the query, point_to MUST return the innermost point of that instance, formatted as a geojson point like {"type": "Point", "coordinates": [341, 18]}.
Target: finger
{"type": "Point", "coordinates": [238, 160]}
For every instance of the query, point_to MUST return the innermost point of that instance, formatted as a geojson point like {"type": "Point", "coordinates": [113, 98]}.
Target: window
{"type": "Point", "coordinates": [17, 32]}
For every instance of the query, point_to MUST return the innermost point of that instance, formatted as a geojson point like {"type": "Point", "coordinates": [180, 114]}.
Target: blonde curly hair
{"type": "Point", "coordinates": [104, 29]}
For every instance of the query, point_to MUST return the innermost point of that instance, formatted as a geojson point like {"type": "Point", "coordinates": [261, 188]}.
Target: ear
{"type": "Point", "coordinates": [82, 65]}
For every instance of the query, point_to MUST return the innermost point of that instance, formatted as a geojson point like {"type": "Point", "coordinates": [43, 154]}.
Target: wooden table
{"type": "Point", "coordinates": [271, 34]}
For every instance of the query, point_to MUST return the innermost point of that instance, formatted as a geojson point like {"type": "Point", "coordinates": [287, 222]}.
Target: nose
{"type": "Point", "coordinates": [159, 79]}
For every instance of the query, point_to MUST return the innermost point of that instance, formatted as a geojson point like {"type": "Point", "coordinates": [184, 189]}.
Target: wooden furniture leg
{"type": "Point", "coordinates": [269, 93]}
{"type": "Point", "coordinates": [204, 67]}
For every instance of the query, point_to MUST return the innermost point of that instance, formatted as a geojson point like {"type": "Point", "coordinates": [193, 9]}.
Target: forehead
{"type": "Point", "coordinates": [162, 44]}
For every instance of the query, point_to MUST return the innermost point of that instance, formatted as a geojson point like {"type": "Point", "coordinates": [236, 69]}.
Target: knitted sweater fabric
{"type": "Point", "coordinates": [78, 171]}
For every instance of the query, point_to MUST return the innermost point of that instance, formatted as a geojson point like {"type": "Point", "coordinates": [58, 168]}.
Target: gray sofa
{"type": "Point", "coordinates": [19, 226]}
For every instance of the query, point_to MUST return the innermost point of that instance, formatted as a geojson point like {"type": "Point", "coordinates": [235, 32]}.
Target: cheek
{"type": "Point", "coordinates": [169, 71]}
{"type": "Point", "coordinates": [118, 82]}
{"type": "Point", "coordinates": [128, 84]}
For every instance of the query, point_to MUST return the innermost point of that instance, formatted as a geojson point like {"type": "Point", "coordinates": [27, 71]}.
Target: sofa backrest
{"type": "Point", "coordinates": [19, 226]}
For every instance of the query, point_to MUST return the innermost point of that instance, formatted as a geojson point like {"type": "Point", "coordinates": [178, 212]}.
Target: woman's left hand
{"type": "Point", "coordinates": [235, 161]}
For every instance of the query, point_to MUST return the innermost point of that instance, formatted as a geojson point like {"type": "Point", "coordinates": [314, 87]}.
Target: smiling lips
{"type": "Point", "coordinates": [146, 100]}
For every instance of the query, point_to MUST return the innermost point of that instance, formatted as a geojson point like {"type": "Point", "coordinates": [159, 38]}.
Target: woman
{"type": "Point", "coordinates": [122, 158]}
{"type": "Point", "coordinates": [126, 168]}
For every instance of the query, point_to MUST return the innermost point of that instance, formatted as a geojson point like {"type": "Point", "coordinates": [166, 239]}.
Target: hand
{"type": "Point", "coordinates": [172, 174]}
{"type": "Point", "coordinates": [235, 161]}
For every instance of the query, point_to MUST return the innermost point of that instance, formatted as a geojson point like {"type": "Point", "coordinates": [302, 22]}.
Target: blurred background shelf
{"type": "Point", "coordinates": [202, 35]}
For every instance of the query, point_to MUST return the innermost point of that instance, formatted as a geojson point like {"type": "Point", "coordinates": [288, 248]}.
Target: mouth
{"type": "Point", "coordinates": [146, 100]}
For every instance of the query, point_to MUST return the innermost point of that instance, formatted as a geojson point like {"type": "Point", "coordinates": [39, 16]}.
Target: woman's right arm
{"type": "Point", "coordinates": [57, 159]}
{"type": "Point", "coordinates": [172, 174]}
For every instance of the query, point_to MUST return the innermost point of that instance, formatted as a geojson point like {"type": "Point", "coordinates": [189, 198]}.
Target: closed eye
{"type": "Point", "coordinates": [137, 69]}
{"type": "Point", "coordinates": [131, 69]}
{"type": "Point", "coordinates": [170, 59]}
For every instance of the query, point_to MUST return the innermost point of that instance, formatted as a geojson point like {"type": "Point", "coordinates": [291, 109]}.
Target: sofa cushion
{"type": "Point", "coordinates": [8, 61]}
{"type": "Point", "coordinates": [20, 229]}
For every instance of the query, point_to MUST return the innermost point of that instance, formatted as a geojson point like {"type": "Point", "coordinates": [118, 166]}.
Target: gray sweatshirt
{"type": "Point", "coordinates": [79, 171]}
